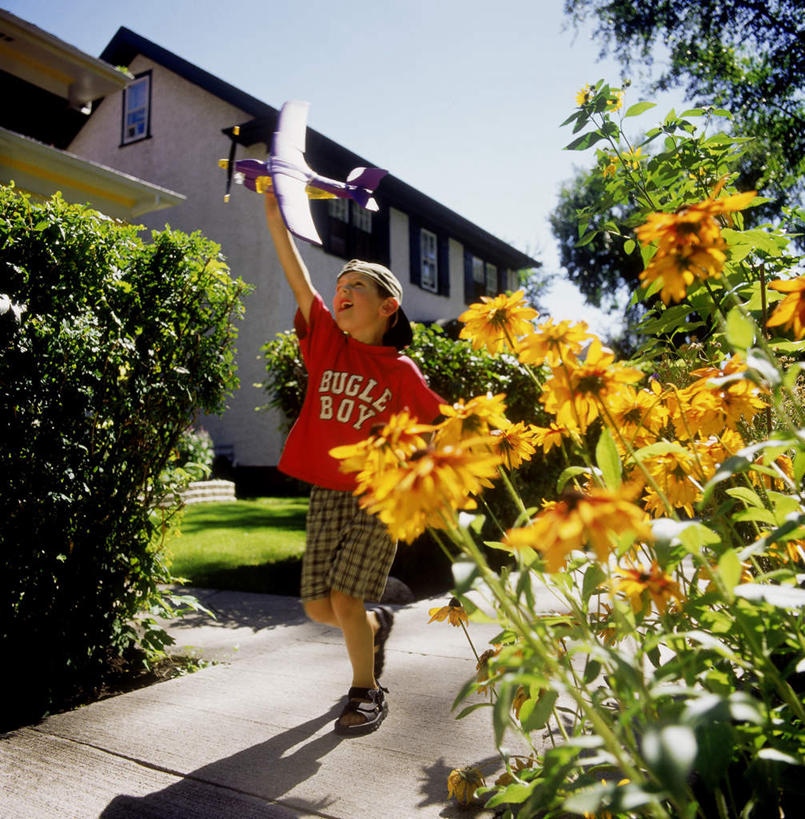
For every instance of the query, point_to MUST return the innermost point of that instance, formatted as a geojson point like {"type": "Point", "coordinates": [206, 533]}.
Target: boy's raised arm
{"type": "Point", "coordinates": [295, 270]}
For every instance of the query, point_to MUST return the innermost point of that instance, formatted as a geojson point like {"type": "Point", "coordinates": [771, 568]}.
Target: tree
{"type": "Point", "coordinates": [747, 56]}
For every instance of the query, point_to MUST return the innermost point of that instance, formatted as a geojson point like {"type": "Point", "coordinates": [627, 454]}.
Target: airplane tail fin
{"type": "Point", "coordinates": [365, 181]}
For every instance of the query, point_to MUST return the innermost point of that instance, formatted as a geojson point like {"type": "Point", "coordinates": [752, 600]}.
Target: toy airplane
{"type": "Point", "coordinates": [292, 180]}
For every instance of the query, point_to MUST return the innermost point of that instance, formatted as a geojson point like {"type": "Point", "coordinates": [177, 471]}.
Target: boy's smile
{"type": "Point", "coordinates": [358, 308]}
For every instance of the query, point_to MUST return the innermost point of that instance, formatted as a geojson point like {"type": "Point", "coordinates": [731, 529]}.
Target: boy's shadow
{"type": "Point", "coordinates": [245, 784]}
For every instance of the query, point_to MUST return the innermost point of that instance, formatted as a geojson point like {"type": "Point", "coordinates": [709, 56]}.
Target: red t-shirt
{"type": "Point", "coordinates": [351, 387]}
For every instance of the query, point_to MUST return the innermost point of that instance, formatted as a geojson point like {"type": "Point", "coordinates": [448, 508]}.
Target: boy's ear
{"type": "Point", "coordinates": [389, 306]}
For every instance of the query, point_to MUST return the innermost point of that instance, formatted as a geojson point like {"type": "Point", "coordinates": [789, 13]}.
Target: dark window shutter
{"type": "Point", "coordinates": [416, 255]}
{"type": "Point", "coordinates": [444, 266]}
{"type": "Point", "coordinates": [469, 283]}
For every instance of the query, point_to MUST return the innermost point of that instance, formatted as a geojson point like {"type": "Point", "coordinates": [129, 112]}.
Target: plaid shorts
{"type": "Point", "coordinates": [347, 549]}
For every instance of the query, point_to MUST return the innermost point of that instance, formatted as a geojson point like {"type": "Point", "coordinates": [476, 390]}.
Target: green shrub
{"type": "Point", "coordinates": [108, 348]}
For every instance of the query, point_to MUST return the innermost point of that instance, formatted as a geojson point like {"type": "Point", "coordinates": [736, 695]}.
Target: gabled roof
{"type": "Point", "coordinates": [324, 155]}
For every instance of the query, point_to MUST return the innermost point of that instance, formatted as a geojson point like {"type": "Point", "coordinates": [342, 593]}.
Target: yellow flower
{"type": "Point", "coordinates": [462, 421]}
{"type": "Point", "coordinates": [638, 416]}
{"type": "Point", "coordinates": [790, 312]}
{"type": "Point", "coordinates": [463, 782]}
{"type": "Point", "coordinates": [633, 158]}
{"type": "Point", "coordinates": [516, 443]}
{"type": "Point", "coordinates": [660, 586]}
{"type": "Point", "coordinates": [576, 520]}
{"type": "Point", "coordinates": [453, 612]}
{"type": "Point", "coordinates": [430, 486]}
{"type": "Point", "coordinates": [713, 405]}
{"type": "Point", "coordinates": [678, 478]}
{"type": "Point", "coordinates": [574, 394]}
{"type": "Point", "coordinates": [611, 168]}
{"type": "Point", "coordinates": [615, 102]}
{"type": "Point", "coordinates": [554, 344]}
{"type": "Point", "coordinates": [496, 323]}
{"type": "Point", "coordinates": [584, 96]}
{"type": "Point", "coordinates": [386, 446]}
{"type": "Point", "coordinates": [689, 244]}
{"type": "Point", "coordinates": [551, 436]}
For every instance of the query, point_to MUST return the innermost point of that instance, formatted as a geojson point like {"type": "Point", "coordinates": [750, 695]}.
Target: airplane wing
{"type": "Point", "coordinates": [295, 206]}
{"type": "Point", "coordinates": [290, 172]}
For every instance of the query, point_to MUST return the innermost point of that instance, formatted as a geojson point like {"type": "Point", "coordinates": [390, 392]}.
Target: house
{"type": "Point", "coordinates": [174, 121]}
{"type": "Point", "coordinates": [48, 88]}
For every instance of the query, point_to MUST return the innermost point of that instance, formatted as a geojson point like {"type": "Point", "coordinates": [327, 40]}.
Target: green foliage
{"type": "Point", "coordinates": [108, 348]}
{"type": "Point", "coordinates": [746, 56]}
{"type": "Point", "coordinates": [195, 452]}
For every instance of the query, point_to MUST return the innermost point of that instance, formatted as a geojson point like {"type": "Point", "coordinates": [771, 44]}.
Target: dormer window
{"type": "Point", "coordinates": [137, 109]}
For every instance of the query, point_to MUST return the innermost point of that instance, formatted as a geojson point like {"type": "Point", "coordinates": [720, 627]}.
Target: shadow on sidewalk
{"type": "Point", "coordinates": [246, 784]}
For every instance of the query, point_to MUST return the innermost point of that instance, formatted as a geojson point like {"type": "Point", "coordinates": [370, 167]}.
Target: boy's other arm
{"type": "Point", "coordinates": [295, 270]}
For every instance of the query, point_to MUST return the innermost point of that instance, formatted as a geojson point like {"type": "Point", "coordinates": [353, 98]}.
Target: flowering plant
{"type": "Point", "coordinates": [666, 676]}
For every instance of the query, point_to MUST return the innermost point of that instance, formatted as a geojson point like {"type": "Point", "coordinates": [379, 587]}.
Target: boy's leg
{"type": "Point", "coordinates": [350, 615]}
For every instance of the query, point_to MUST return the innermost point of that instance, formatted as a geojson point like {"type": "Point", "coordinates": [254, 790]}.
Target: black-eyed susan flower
{"type": "Point", "coordinates": [574, 394]}
{"type": "Point", "coordinates": [551, 436]}
{"type": "Point", "coordinates": [679, 478]}
{"type": "Point", "coordinates": [497, 322]}
{"type": "Point", "coordinates": [463, 782]}
{"type": "Point", "coordinates": [427, 488]}
{"type": "Point", "coordinates": [577, 520]}
{"type": "Point", "coordinates": [386, 446]}
{"type": "Point", "coordinates": [689, 243]}
{"type": "Point", "coordinates": [790, 312]}
{"type": "Point", "coordinates": [454, 613]}
{"type": "Point", "coordinates": [516, 443]}
{"type": "Point", "coordinates": [638, 582]}
{"type": "Point", "coordinates": [585, 95]}
{"type": "Point", "coordinates": [554, 344]}
{"type": "Point", "coordinates": [463, 420]}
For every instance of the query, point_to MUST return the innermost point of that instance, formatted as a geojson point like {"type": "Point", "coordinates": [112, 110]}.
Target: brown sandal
{"type": "Point", "coordinates": [370, 703]}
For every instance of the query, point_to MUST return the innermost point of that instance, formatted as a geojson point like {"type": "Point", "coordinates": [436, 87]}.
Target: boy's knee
{"type": "Point", "coordinates": [346, 606]}
{"type": "Point", "coordinates": [319, 610]}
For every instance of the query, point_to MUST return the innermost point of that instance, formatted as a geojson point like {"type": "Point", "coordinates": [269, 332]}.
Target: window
{"type": "Point", "coordinates": [429, 261]}
{"type": "Point", "coordinates": [137, 109]}
{"type": "Point", "coordinates": [352, 232]}
{"type": "Point", "coordinates": [429, 258]}
{"type": "Point", "coordinates": [491, 279]}
{"type": "Point", "coordinates": [481, 278]}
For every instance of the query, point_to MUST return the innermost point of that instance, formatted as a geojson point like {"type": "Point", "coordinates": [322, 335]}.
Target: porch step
{"type": "Point", "coordinates": [206, 491]}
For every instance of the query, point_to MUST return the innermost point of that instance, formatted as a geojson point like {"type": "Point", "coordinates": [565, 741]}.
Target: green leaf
{"type": "Point", "coordinates": [670, 753]}
{"type": "Point", "coordinates": [568, 473]}
{"type": "Point", "coordinates": [638, 108]}
{"type": "Point", "coordinates": [541, 712]}
{"type": "Point", "coordinates": [748, 496]}
{"type": "Point", "coordinates": [629, 246]}
{"type": "Point", "coordinates": [740, 330]}
{"type": "Point", "coordinates": [729, 569]}
{"type": "Point", "coordinates": [608, 460]}
{"type": "Point", "coordinates": [585, 141]}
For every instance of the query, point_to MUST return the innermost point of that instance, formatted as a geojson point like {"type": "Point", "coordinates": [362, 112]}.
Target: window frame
{"type": "Point", "coordinates": [145, 78]}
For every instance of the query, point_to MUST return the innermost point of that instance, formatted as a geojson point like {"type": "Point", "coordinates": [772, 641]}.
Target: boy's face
{"type": "Point", "coordinates": [358, 307]}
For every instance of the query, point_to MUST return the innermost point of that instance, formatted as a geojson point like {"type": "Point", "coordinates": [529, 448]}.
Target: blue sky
{"type": "Point", "coordinates": [460, 98]}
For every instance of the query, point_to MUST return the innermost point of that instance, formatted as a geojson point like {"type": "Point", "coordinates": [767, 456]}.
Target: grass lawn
{"type": "Point", "coordinates": [249, 545]}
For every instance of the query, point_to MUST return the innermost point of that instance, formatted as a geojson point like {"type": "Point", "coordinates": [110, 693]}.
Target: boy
{"type": "Point", "coordinates": [356, 379]}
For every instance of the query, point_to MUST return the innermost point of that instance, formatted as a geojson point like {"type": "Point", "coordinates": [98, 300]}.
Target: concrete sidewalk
{"type": "Point", "coordinates": [252, 735]}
